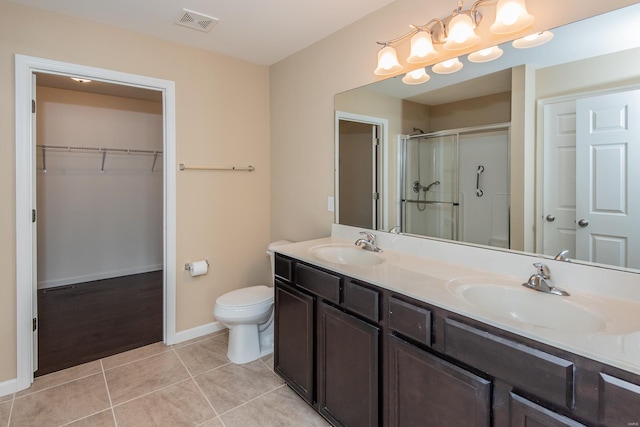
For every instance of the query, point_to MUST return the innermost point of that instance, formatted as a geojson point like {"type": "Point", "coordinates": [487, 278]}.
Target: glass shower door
{"type": "Point", "coordinates": [430, 186]}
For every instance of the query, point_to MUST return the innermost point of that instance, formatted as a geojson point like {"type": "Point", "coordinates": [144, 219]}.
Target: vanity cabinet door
{"type": "Point", "coordinates": [425, 390]}
{"type": "Point", "coordinates": [528, 414]}
{"type": "Point", "coordinates": [348, 377]}
{"type": "Point", "coordinates": [294, 339]}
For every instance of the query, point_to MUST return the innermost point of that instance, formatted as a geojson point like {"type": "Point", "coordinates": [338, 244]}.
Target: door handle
{"type": "Point", "coordinates": [583, 223]}
{"type": "Point", "coordinates": [551, 218]}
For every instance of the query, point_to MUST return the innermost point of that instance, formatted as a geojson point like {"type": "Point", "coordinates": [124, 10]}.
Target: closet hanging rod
{"type": "Point", "coordinates": [249, 168]}
{"type": "Point", "coordinates": [99, 149]}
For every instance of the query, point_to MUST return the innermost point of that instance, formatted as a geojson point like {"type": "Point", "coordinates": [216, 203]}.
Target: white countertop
{"type": "Point", "coordinates": [438, 282]}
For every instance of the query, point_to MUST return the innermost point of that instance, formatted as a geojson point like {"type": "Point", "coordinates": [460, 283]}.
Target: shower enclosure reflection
{"type": "Point", "coordinates": [455, 185]}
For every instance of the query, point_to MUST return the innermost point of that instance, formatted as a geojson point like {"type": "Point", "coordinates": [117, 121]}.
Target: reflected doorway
{"type": "Point", "coordinates": [358, 177]}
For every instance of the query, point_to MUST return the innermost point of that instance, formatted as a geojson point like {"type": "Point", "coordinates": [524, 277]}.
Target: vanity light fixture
{"type": "Point", "coordinates": [416, 77]}
{"type": "Point", "coordinates": [485, 55]}
{"type": "Point", "coordinates": [447, 67]}
{"type": "Point", "coordinates": [455, 32]}
{"type": "Point", "coordinates": [533, 40]}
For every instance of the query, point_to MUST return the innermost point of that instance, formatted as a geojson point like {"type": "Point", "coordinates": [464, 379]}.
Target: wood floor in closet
{"type": "Point", "coordinates": [88, 321]}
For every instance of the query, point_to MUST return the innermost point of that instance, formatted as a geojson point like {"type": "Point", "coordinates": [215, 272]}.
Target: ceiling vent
{"type": "Point", "coordinates": [196, 21]}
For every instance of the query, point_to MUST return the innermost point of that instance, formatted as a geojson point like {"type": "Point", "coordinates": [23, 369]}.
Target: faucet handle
{"type": "Point", "coordinates": [543, 270]}
{"type": "Point", "coordinates": [370, 236]}
{"type": "Point", "coordinates": [563, 256]}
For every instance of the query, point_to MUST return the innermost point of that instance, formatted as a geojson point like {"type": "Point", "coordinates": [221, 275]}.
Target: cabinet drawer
{"type": "Point", "coordinates": [533, 371]}
{"type": "Point", "coordinates": [619, 402]}
{"type": "Point", "coordinates": [362, 300]}
{"type": "Point", "coordinates": [318, 282]}
{"type": "Point", "coordinates": [283, 268]}
{"type": "Point", "coordinates": [410, 320]}
{"type": "Point", "coordinates": [525, 413]}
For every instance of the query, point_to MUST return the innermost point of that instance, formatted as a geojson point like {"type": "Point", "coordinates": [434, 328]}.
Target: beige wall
{"type": "Point", "coordinates": [599, 73]}
{"type": "Point", "coordinates": [484, 110]}
{"type": "Point", "coordinates": [302, 90]}
{"type": "Point", "coordinates": [221, 216]}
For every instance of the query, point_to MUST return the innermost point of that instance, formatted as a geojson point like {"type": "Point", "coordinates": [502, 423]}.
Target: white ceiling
{"type": "Point", "coordinates": [257, 31]}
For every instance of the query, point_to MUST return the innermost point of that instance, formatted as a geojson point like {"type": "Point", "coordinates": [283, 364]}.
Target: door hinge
{"type": "Point", "coordinates": [35, 324]}
{"type": "Point", "coordinates": [33, 215]}
{"type": "Point", "coordinates": [376, 196]}
{"type": "Point", "coordinates": [376, 141]}
{"type": "Point", "coordinates": [33, 105]}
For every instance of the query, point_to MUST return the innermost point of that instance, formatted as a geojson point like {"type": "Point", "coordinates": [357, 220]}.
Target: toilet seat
{"type": "Point", "coordinates": [246, 297]}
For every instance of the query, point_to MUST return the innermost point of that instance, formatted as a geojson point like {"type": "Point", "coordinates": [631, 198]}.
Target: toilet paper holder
{"type": "Point", "coordinates": [187, 266]}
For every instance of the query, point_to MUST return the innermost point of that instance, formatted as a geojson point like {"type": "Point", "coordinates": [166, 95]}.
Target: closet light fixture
{"type": "Point", "coordinates": [533, 40]}
{"type": "Point", "coordinates": [416, 77]}
{"type": "Point", "coordinates": [80, 80]}
{"type": "Point", "coordinates": [455, 32]}
{"type": "Point", "coordinates": [447, 67]}
{"type": "Point", "coordinates": [485, 55]}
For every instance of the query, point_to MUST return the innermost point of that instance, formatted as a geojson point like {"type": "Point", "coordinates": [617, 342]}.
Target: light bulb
{"type": "Point", "coordinates": [511, 17]}
{"type": "Point", "coordinates": [421, 48]}
{"type": "Point", "coordinates": [387, 62]}
{"type": "Point", "coordinates": [461, 33]}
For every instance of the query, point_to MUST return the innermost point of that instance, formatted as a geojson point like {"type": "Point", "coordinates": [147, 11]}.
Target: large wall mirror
{"type": "Point", "coordinates": [536, 151]}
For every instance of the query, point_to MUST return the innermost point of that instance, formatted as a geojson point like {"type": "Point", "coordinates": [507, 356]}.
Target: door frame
{"type": "Point", "coordinates": [381, 167]}
{"type": "Point", "coordinates": [539, 170]}
{"type": "Point", "coordinates": [25, 66]}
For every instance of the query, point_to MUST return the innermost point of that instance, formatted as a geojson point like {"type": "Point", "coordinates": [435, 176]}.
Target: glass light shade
{"type": "Point", "coordinates": [387, 62]}
{"type": "Point", "coordinates": [461, 34]}
{"type": "Point", "coordinates": [421, 48]}
{"type": "Point", "coordinates": [511, 17]}
{"type": "Point", "coordinates": [416, 77]}
{"type": "Point", "coordinates": [533, 40]}
{"type": "Point", "coordinates": [485, 55]}
{"type": "Point", "coordinates": [447, 67]}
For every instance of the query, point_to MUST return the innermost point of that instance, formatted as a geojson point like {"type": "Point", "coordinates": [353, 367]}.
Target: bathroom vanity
{"type": "Point", "coordinates": [397, 339]}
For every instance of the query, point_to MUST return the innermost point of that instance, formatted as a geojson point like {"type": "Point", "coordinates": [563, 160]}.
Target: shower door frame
{"type": "Point", "coordinates": [447, 132]}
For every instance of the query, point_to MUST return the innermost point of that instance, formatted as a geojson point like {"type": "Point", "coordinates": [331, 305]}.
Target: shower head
{"type": "Point", "coordinates": [431, 185]}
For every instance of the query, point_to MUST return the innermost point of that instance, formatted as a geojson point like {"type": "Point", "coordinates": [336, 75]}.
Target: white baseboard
{"type": "Point", "coordinates": [8, 387]}
{"type": "Point", "coordinates": [98, 276]}
{"type": "Point", "coordinates": [197, 332]}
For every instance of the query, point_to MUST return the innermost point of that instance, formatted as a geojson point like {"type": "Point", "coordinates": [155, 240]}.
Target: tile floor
{"type": "Point", "coordinates": [187, 384]}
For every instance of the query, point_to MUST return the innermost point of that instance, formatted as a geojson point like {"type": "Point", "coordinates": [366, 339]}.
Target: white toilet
{"type": "Point", "coordinates": [248, 313]}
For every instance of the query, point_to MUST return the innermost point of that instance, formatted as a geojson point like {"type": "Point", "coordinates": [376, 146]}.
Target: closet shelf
{"type": "Point", "coordinates": [99, 150]}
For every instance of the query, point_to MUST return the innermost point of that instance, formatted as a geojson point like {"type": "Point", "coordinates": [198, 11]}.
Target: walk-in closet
{"type": "Point", "coordinates": [99, 178]}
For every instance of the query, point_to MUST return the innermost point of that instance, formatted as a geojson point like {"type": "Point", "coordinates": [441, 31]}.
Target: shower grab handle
{"type": "Point", "coordinates": [479, 192]}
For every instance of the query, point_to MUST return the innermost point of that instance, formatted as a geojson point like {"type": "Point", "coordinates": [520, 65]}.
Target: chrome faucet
{"type": "Point", "coordinates": [368, 244]}
{"type": "Point", "coordinates": [563, 256]}
{"type": "Point", "coordinates": [541, 281]}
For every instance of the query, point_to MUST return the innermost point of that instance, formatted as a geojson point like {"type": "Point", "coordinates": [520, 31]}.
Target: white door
{"type": "Point", "coordinates": [559, 213]}
{"type": "Point", "coordinates": [34, 230]}
{"type": "Point", "coordinates": [608, 179]}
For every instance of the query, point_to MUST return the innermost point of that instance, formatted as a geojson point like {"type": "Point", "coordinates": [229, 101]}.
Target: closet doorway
{"type": "Point", "coordinates": [99, 176]}
{"type": "Point", "coordinates": [27, 163]}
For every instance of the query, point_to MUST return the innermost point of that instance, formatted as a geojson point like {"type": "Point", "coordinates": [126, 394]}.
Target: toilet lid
{"type": "Point", "coordinates": [246, 296]}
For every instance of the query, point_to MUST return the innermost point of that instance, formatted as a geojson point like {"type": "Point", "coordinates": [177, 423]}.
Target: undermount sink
{"type": "Point", "coordinates": [528, 306]}
{"type": "Point", "coordinates": [346, 254]}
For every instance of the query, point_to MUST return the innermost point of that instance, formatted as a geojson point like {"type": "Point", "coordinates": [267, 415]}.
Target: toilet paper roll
{"type": "Point", "coordinates": [198, 268]}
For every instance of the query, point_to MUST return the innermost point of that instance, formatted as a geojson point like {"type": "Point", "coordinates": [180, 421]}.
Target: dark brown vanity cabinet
{"type": "Point", "coordinates": [362, 355]}
{"type": "Point", "coordinates": [425, 390]}
{"type": "Point", "coordinates": [327, 344]}
{"type": "Point", "coordinates": [294, 339]}
{"type": "Point", "coordinates": [348, 379]}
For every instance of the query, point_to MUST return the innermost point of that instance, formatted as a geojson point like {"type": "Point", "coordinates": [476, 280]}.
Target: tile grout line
{"type": "Point", "coordinates": [57, 385]}
{"type": "Point", "coordinates": [13, 400]}
{"type": "Point", "coordinates": [198, 386]}
{"type": "Point", "coordinates": [106, 384]}
{"type": "Point", "coordinates": [136, 360]}
{"type": "Point", "coordinates": [255, 398]}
